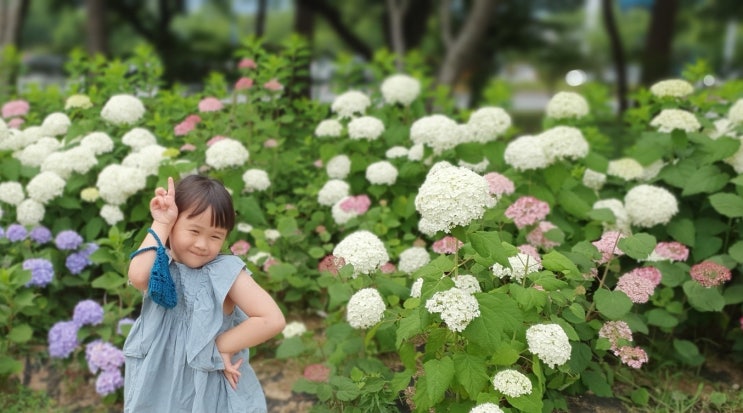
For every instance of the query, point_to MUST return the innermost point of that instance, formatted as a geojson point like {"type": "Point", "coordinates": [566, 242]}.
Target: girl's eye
{"type": "Point", "coordinates": [193, 231]}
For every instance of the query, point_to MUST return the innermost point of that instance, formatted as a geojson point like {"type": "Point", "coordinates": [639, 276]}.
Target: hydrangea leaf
{"type": "Point", "coordinates": [612, 304]}
{"type": "Point", "coordinates": [727, 204]}
{"type": "Point", "coordinates": [499, 314]}
{"type": "Point", "coordinates": [637, 246]}
{"type": "Point", "coordinates": [558, 263]}
{"type": "Point", "coordinates": [688, 352]}
{"type": "Point", "coordinates": [733, 294]}
{"type": "Point", "coordinates": [702, 298]}
{"type": "Point", "coordinates": [439, 374]}
{"type": "Point", "coordinates": [345, 388]}
{"type": "Point", "coordinates": [682, 230]}
{"type": "Point", "coordinates": [470, 372]}
{"type": "Point", "coordinates": [661, 318]}
{"type": "Point", "coordinates": [706, 179]}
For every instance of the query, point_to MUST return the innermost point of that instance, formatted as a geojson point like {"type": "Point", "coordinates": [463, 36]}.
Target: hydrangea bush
{"type": "Point", "coordinates": [457, 263]}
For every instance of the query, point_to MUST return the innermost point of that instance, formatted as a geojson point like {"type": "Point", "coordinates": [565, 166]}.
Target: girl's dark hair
{"type": "Point", "coordinates": [197, 193]}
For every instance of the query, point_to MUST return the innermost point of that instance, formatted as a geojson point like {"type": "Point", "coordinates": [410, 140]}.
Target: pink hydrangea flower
{"type": "Point", "coordinates": [268, 263]}
{"type": "Point", "coordinates": [651, 273]}
{"type": "Point", "coordinates": [273, 85]}
{"type": "Point", "coordinates": [183, 128]}
{"type": "Point", "coordinates": [499, 184]}
{"type": "Point", "coordinates": [193, 118]}
{"type": "Point", "coordinates": [638, 288]}
{"type": "Point", "coordinates": [240, 247]}
{"type": "Point", "coordinates": [317, 372]}
{"type": "Point", "coordinates": [527, 210]}
{"type": "Point", "coordinates": [210, 104]}
{"type": "Point", "coordinates": [317, 163]}
{"type": "Point", "coordinates": [607, 245]}
{"type": "Point", "coordinates": [616, 332]}
{"type": "Point", "coordinates": [530, 251]}
{"type": "Point", "coordinates": [359, 204]}
{"type": "Point", "coordinates": [387, 268]}
{"type": "Point", "coordinates": [15, 123]}
{"type": "Point", "coordinates": [710, 274]}
{"type": "Point", "coordinates": [188, 147]}
{"type": "Point", "coordinates": [331, 264]}
{"type": "Point", "coordinates": [447, 245]}
{"type": "Point", "coordinates": [536, 236]}
{"type": "Point", "coordinates": [247, 64]}
{"type": "Point", "coordinates": [270, 143]}
{"type": "Point", "coordinates": [215, 139]}
{"type": "Point", "coordinates": [634, 357]}
{"type": "Point", "coordinates": [244, 83]}
{"type": "Point", "coordinates": [14, 108]}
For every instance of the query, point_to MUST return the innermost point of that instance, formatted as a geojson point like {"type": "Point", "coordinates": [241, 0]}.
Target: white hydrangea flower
{"type": "Point", "coordinates": [271, 235]}
{"type": "Point", "coordinates": [521, 265]}
{"type": "Point", "coordinates": [116, 183]}
{"type": "Point", "coordinates": [723, 127]}
{"type": "Point", "coordinates": [396, 152]}
{"type": "Point", "coordinates": [78, 101]}
{"type": "Point", "coordinates": [226, 153]}
{"type": "Point", "coordinates": [348, 104]}
{"type": "Point", "coordinates": [550, 343]}
{"type": "Point", "coordinates": [55, 124]}
{"type": "Point", "coordinates": [45, 186]}
{"type": "Point", "coordinates": [593, 179]}
{"type": "Point", "coordinates": [340, 216]}
{"type": "Point", "coordinates": [338, 167]}
{"type": "Point", "coordinates": [415, 153]}
{"type": "Point", "coordinates": [98, 142]}
{"type": "Point", "coordinates": [412, 259]}
{"type": "Point", "coordinates": [479, 167]}
{"type": "Point", "coordinates": [456, 307]}
{"type": "Point", "coordinates": [621, 219]}
{"type": "Point", "coordinates": [78, 159]}
{"type": "Point", "coordinates": [32, 134]}
{"type": "Point", "coordinates": [669, 119]}
{"type": "Point", "coordinates": [487, 124]}
{"type": "Point", "coordinates": [34, 154]}
{"type": "Point", "coordinates": [400, 88]}
{"type": "Point", "coordinates": [30, 212]}
{"type": "Point", "coordinates": [736, 160]}
{"type": "Point", "coordinates": [735, 113]}
{"type": "Point", "coordinates": [651, 171]}
{"type": "Point", "coordinates": [333, 191]}
{"type": "Point", "coordinates": [138, 138]}
{"type": "Point", "coordinates": [365, 308]}
{"type": "Point", "coordinates": [256, 180]}
{"type": "Point", "coordinates": [259, 257]}
{"type": "Point", "coordinates": [329, 128]}
{"type": "Point", "coordinates": [512, 383]}
{"type": "Point", "coordinates": [467, 283]}
{"type": "Point", "coordinates": [12, 141]}
{"type": "Point", "coordinates": [111, 214]}
{"type": "Point", "coordinates": [11, 192]}
{"type": "Point", "coordinates": [563, 142]}
{"type": "Point", "coordinates": [123, 109]}
{"type": "Point", "coordinates": [486, 408]}
{"type": "Point", "coordinates": [362, 249]}
{"type": "Point", "coordinates": [381, 173]}
{"type": "Point", "coordinates": [526, 153]}
{"type": "Point", "coordinates": [146, 159]}
{"type": "Point", "coordinates": [294, 329]}
{"type": "Point", "coordinates": [625, 168]}
{"type": "Point", "coordinates": [649, 205]}
{"type": "Point", "coordinates": [365, 127]}
{"type": "Point", "coordinates": [243, 227]}
{"type": "Point", "coordinates": [672, 87]}
{"type": "Point", "coordinates": [437, 132]}
{"type": "Point", "coordinates": [415, 289]}
{"type": "Point", "coordinates": [564, 105]}
{"type": "Point", "coordinates": [451, 196]}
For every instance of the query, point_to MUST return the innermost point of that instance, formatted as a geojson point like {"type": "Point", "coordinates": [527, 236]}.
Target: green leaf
{"type": "Point", "coordinates": [729, 205]}
{"type": "Point", "coordinates": [637, 246]}
{"type": "Point", "coordinates": [706, 179]}
{"type": "Point", "coordinates": [531, 402]}
{"type": "Point", "coordinates": [640, 396]}
{"type": "Point", "coordinates": [702, 298]}
{"type": "Point", "coordinates": [688, 352]}
{"type": "Point", "coordinates": [736, 251]}
{"type": "Point", "coordinates": [573, 204]}
{"type": "Point", "coordinates": [338, 295]}
{"type": "Point", "coordinates": [290, 347]}
{"type": "Point", "coordinates": [20, 333]}
{"type": "Point", "coordinates": [612, 304]}
{"type": "Point", "coordinates": [470, 372]}
{"type": "Point", "coordinates": [683, 231]}
{"type": "Point", "coordinates": [109, 281]}
{"type": "Point", "coordinates": [504, 355]}
{"type": "Point", "coordinates": [597, 383]}
{"type": "Point", "coordinates": [345, 389]}
{"type": "Point", "coordinates": [558, 263]}
{"type": "Point", "coordinates": [409, 326]}
{"type": "Point", "coordinates": [9, 365]}
{"type": "Point", "coordinates": [733, 294]}
{"type": "Point", "coordinates": [528, 298]}
{"type": "Point", "coordinates": [440, 374]}
{"type": "Point", "coordinates": [499, 314]}
{"type": "Point", "coordinates": [719, 149]}
{"type": "Point", "coordinates": [661, 318]}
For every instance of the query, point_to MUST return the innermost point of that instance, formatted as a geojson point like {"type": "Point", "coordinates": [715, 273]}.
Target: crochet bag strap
{"type": "Point", "coordinates": [161, 287]}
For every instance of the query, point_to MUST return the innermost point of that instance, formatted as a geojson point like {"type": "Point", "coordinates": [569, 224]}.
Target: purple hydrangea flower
{"type": "Point", "coordinates": [103, 356]}
{"type": "Point", "coordinates": [63, 339]}
{"type": "Point", "coordinates": [87, 312]}
{"type": "Point", "coordinates": [42, 271]}
{"type": "Point", "coordinates": [16, 232]}
{"type": "Point", "coordinates": [76, 262]}
{"type": "Point", "coordinates": [2, 233]}
{"type": "Point", "coordinates": [126, 321]}
{"type": "Point", "coordinates": [68, 240]}
{"type": "Point", "coordinates": [90, 248]}
{"type": "Point", "coordinates": [108, 381]}
{"type": "Point", "coordinates": [40, 235]}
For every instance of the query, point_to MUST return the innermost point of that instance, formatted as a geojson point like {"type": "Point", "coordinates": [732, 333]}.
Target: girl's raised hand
{"type": "Point", "coordinates": [162, 206]}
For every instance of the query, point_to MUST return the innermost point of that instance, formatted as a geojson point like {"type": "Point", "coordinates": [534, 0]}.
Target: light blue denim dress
{"type": "Point", "coordinates": [172, 361]}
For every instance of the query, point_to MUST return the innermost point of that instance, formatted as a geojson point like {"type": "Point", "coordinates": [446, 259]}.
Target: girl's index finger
{"type": "Point", "coordinates": [171, 186]}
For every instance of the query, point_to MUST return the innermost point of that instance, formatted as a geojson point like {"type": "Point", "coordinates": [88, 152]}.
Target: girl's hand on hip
{"type": "Point", "coordinates": [231, 372]}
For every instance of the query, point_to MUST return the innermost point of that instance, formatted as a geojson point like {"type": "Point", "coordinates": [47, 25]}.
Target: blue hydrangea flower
{"type": "Point", "coordinates": [16, 232]}
{"type": "Point", "coordinates": [90, 248]}
{"type": "Point", "coordinates": [68, 240]}
{"type": "Point", "coordinates": [40, 235]}
{"type": "Point", "coordinates": [42, 271]}
{"type": "Point", "coordinates": [108, 382]}
{"type": "Point", "coordinates": [103, 356]}
{"type": "Point", "coordinates": [63, 339]}
{"type": "Point", "coordinates": [76, 262]}
{"type": "Point", "coordinates": [126, 321]}
{"type": "Point", "coordinates": [87, 312]}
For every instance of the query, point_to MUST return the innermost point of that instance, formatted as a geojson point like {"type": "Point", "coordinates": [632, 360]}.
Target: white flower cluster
{"type": "Point", "coordinates": [396, 152]}
{"type": "Point", "coordinates": [563, 142]}
{"type": "Point", "coordinates": [416, 152]}
{"type": "Point", "coordinates": [564, 105]}
{"type": "Point", "coordinates": [138, 138]}
{"type": "Point", "coordinates": [399, 88]}
{"type": "Point", "coordinates": [98, 142]}
{"type": "Point", "coordinates": [521, 266]}
{"type": "Point", "coordinates": [487, 124]}
{"type": "Point", "coordinates": [669, 119]}
{"type": "Point", "coordinates": [526, 153]}
{"type": "Point", "coordinates": [76, 159]}
{"type": "Point", "coordinates": [479, 167]}
{"type": "Point", "coordinates": [593, 179]}
{"type": "Point", "coordinates": [625, 168]}
{"type": "Point", "coordinates": [512, 383]}
{"type": "Point", "coordinates": [116, 183]}
{"type": "Point", "coordinates": [365, 127]}
{"type": "Point", "coordinates": [621, 219]}
{"type": "Point", "coordinates": [341, 216]}
{"type": "Point", "coordinates": [451, 196]}
{"type": "Point", "coordinates": [294, 329]}
{"type": "Point", "coordinates": [338, 167]}
{"type": "Point", "coordinates": [550, 343]}
{"type": "Point", "coordinates": [736, 160]}
{"type": "Point", "coordinates": [256, 180]}
{"type": "Point", "coordinates": [45, 186]}
{"type": "Point", "coordinates": [349, 104]}
{"type": "Point", "coordinates": [362, 249]}
{"type": "Point", "coordinates": [412, 259]}
{"type": "Point", "coordinates": [226, 153]}
{"type": "Point", "coordinates": [333, 191]}
{"type": "Point", "coordinates": [649, 205]}
{"type": "Point", "coordinates": [123, 109]}
{"type": "Point", "coordinates": [381, 173]}
{"type": "Point", "coordinates": [456, 307]}
{"type": "Point", "coordinates": [415, 289]}
{"type": "Point", "coordinates": [271, 235]}
{"type": "Point", "coordinates": [672, 87]}
{"type": "Point", "coordinates": [112, 214]}
{"type": "Point", "coordinates": [437, 132]}
{"type": "Point", "coordinates": [78, 101]}
{"type": "Point", "coordinates": [329, 128]}
{"type": "Point", "coordinates": [11, 192]}
{"type": "Point", "coordinates": [55, 124]}
{"type": "Point", "coordinates": [30, 212]}
{"type": "Point", "coordinates": [486, 408]}
{"type": "Point", "coordinates": [35, 153]}
{"type": "Point", "coordinates": [735, 113]}
{"type": "Point", "coordinates": [146, 159]}
{"type": "Point", "coordinates": [467, 283]}
{"type": "Point", "coordinates": [12, 141]}
{"type": "Point", "coordinates": [365, 308]}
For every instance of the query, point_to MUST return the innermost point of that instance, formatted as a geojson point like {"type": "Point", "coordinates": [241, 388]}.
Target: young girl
{"type": "Point", "coordinates": [189, 353]}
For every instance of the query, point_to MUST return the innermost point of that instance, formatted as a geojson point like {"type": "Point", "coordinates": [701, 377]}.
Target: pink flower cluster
{"type": "Point", "coordinates": [527, 210]}
{"type": "Point", "coordinates": [244, 83]}
{"type": "Point", "coordinates": [387, 268]}
{"type": "Point", "coordinates": [317, 373]}
{"type": "Point", "coordinates": [187, 125]}
{"type": "Point", "coordinates": [607, 245]}
{"type": "Point", "coordinates": [619, 335]}
{"type": "Point", "coordinates": [634, 357]}
{"type": "Point", "coordinates": [15, 108]}
{"type": "Point", "coordinates": [530, 251]}
{"type": "Point", "coordinates": [710, 274]}
{"type": "Point", "coordinates": [536, 236]}
{"type": "Point", "coordinates": [359, 204]}
{"type": "Point", "coordinates": [674, 251]}
{"type": "Point", "coordinates": [499, 184]}
{"type": "Point", "coordinates": [637, 287]}
{"type": "Point", "coordinates": [246, 63]}
{"type": "Point", "coordinates": [210, 104]}
{"type": "Point", "coordinates": [273, 85]}
{"type": "Point", "coordinates": [331, 264]}
{"type": "Point", "coordinates": [651, 273]}
{"type": "Point", "coordinates": [215, 139]}
{"type": "Point", "coordinates": [447, 245]}
{"type": "Point", "coordinates": [240, 247]}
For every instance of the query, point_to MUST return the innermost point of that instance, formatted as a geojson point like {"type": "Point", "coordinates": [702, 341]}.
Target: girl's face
{"type": "Point", "coordinates": [194, 241]}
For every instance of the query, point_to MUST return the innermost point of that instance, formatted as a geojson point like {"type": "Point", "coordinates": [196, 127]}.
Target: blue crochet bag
{"type": "Point", "coordinates": [161, 287]}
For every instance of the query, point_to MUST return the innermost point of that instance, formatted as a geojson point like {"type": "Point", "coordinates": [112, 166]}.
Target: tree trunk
{"type": "Point", "coordinates": [12, 16]}
{"type": "Point", "coordinates": [656, 62]}
{"type": "Point", "coordinates": [617, 53]}
{"type": "Point", "coordinates": [260, 18]}
{"type": "Point", "coordinates": [97, 36]}
{"type": "Point", "coordinates": [464, 44]}
{"type": "Point", "coordinates": [397, 10]}
{"type": "Point", "coordinates": [304, 25]}
{"type": "Point", "coordinates": [331, 15]}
